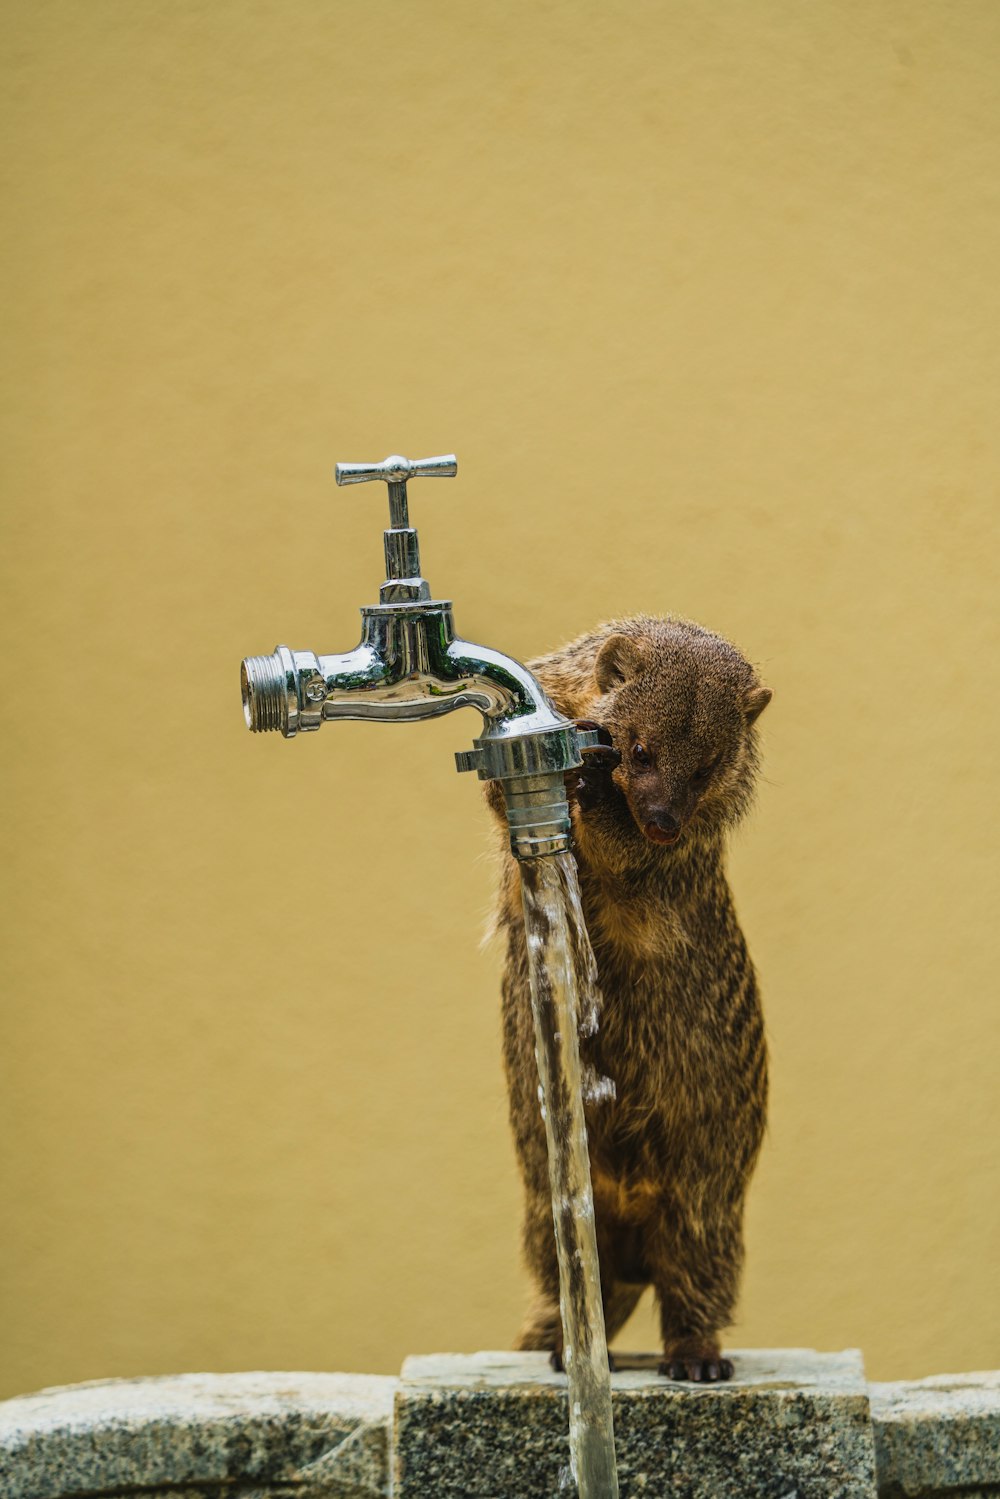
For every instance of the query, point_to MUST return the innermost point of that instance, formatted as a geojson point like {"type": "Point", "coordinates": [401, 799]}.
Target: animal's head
{"type": "Point", "coordinates": [681, 705]}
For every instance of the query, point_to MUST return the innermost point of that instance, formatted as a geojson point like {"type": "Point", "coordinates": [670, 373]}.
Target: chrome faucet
{"type": "Point", "coordinates": [410, 664]}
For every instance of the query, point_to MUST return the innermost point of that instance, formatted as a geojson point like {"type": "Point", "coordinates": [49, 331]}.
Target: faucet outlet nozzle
{"type": "Point", "coordinates": [531, 768]}
{"type": "Point", "coordinates": [538, 820]}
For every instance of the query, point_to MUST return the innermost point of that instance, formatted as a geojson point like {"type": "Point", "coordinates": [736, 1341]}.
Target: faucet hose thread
{"type": "Point", "coordinates": [265, 695]}
{"type": "Point", "coordinates": [537, 815]}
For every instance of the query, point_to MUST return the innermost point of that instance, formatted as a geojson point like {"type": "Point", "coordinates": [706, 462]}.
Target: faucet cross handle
{"type": "Point", "coordinates": [403, 583]}
{"type": "Point", "coordinates": [395, 471]}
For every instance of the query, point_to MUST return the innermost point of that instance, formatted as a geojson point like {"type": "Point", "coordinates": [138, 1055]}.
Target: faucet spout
{"type": "Point", "coordinates": [410, 664]}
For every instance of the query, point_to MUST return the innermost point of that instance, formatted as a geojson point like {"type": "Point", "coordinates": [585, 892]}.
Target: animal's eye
{"type": "Point", "coordinates": [703, 772]}
{"type": "Point", "coordinates": [640, 754]}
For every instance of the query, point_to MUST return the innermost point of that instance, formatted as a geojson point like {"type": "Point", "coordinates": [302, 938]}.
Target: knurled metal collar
{"type": "Point", "coordinates": [504, 758]}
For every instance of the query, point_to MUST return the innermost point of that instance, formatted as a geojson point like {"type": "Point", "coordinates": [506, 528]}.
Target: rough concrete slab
{"type": "Point", "coordinates": [938, 1436]}
{"type": "Point", "coordinates": [793, 1424]}
{"type": "Point", "coordinates": [198, 1436]}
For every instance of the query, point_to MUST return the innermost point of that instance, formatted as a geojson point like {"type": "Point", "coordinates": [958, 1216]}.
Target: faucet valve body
{"type": "Point", "coordinates": [410, 665]}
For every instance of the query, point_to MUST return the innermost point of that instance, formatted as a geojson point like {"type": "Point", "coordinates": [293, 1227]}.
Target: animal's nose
{"type": "Point", "coordinates": [665, 820]}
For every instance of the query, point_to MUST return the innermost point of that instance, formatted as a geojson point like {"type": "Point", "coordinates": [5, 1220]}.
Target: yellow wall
{"type": "Point", "coordinates": [705, 297]}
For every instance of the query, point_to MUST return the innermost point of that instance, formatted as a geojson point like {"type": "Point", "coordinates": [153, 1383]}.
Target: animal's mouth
{"type": "Point", "coordinates": [656, 834]}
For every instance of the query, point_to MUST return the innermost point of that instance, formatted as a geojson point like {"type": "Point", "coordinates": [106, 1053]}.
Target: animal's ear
{"type": "Point", "coordinates": [620, 657]}
{"type": "Point", "coordinates": [755, 700]}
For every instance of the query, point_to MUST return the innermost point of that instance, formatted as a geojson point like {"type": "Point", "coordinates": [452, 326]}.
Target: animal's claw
{"type": "Point", "coordinates": [592, 780]}
{"type": "Point", "coordinates": [603, 753]}
{"type": "Point", "coordinates": [701, 1370]}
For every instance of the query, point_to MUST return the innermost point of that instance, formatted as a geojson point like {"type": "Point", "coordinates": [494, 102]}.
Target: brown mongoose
{"type": "Point", "coordinates": [681, 1035]}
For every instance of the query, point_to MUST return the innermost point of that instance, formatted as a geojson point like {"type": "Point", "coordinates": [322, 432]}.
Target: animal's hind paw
{"type": "Point", "coordinates": [702, 1370]}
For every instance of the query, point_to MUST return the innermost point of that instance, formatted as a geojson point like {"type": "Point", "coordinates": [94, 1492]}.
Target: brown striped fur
{"type": "Point", "coordinates": [681, 1032]}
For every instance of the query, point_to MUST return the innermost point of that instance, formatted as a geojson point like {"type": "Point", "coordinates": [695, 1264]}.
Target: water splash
{"type": "Point", "coordinates": [597, 1089]}
{"type": "Point", "coordinates": [563, 989]}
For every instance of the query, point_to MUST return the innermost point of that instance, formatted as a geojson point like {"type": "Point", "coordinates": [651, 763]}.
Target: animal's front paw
{"type": "Point", "coordinates": [702, 1366]}
{"type": "Point", "coordinates": [592, 781]}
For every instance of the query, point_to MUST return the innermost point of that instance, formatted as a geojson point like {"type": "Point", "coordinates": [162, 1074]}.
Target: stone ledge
{"type": "Point", "coordinates": [485, 1426]}
{"type": "Point", "coordinates": [327, 1436]}
{"type": "Point", "coordinates": [314, 1436]}
{"type": "Point", "coordinates": [938, 1436]}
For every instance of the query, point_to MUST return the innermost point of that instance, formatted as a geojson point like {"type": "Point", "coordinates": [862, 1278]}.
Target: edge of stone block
{"type": "Point", "coordinates": [939, 1434]}
{"type": "Point", "coordinates": [325, 1433]}
{"type": "Point", "coordinates": [762, 1369]}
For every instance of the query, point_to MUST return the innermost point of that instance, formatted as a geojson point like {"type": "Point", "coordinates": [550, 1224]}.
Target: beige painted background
{"type": "Point", "coordinates": [706, 299]}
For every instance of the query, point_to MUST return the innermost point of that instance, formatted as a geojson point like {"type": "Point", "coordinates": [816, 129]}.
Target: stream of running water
{"type": "Point", "coordinates": [566, 1004]}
